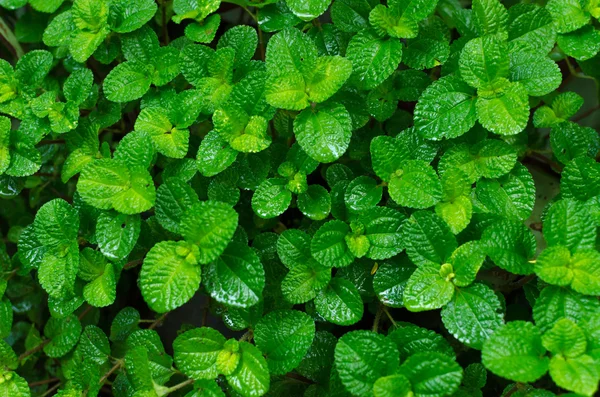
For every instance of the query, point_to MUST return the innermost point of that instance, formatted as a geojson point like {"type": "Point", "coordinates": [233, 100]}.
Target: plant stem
{"type": "Point", "coordinates": [43, 382]}
{"type": "Point", "coordinates": [50, 390]}
{"type": "Point", "coordinates": [158, 321]}
{"type": "Point", "coordinates": [247, 336]}
{"type": "Point", "coordinates": [377, 318]}
{"type": "Point", "coordinates": [179, 386]}
{"type": "Point", "coordinates": [110, 371]}
{"type": "Point", "coordinates": [34, 350]}
{"type": "Point", "coordinates": [10, 39]}
{"type": "Point", "coordinates": [386, 311]}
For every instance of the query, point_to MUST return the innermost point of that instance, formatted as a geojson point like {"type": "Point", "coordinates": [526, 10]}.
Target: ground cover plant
{"type": "Point", "coordinates": [299, 198]}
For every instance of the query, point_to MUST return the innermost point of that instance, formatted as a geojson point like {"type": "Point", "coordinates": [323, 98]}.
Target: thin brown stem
{"type": "Point", "coordinates": [158, 321]}
{"type": "Point", "coordinates": [43, 382]}
{"type": "Point", "coordinates": [377, 318]}
{"type": "Point", "coordinates": [115, 367]}
{"type": "Point", "coordinates": [85, 312]}
{"type": "Point", "coordinates": [179, 386]}
{"type": "Point", "coordinates": [587, 113]}
{"type": "Point", "coordinates": [51, 390]}
{"type": "Point", "coordinates": [34, 350]}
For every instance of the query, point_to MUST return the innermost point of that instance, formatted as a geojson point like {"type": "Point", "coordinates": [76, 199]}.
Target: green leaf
{"type": "Point", "coordinates": [140, 195]}
{"type": "Point", "coordinates": [94, 344]}
{"type": "Point", "coordinates": [15, 386]}
{"type": "Point", "coordinates": [293, 248]}
{"type": "Point", "coordinates": [308, 10]}
{"type": "Point", "coordinates": [466, 261]}
{"type": "Point", "coordinates": [432, 374]}
{"type": "Point", "coordinates": [382, 228]}
{"type": "Point", "coordinates": [427, 289]}
{"type": "Point", "coordinates": [315, 203]}
{"type": "Point", "coordinates": [117, 234]}
{"type": "Point", "coordinates": [214, 155]}
{"type": "Point", "coordinates": [537, 73]}
{"type": "Point", "coordinates": [284, 337]}
{"type": "Point", "coordinates": [63, 334]}
{"type": "Point", "coordinates": [568, 15]}
{"type": "Point", "coordinates": [362, 194]}
{"type": "Point", "coordinates": [101, 289]}
{"type": "Point", "coordinates": [489, 17]}
{"type": "Point", "coordinates": [324, 134]}
{"type": "Point", "coordinates": [429, 241]}
{"type": "Point", "coordinates": [484, 60]}
{"type": "Point", "coordinates": [510, 245]}
{"type": "Point", "coordinates": [84, 43]}
{"type": "Point", "coordinates": [127, 16]}
{"type": "Point", "coordinates": [565, 338]}
{"type": "Point", "coordinates": [330, 73]}
{"type": "Point", "coordinates": [128, 81]}
{"type": "Point", "coordinates": [173, 198]}
{"type": "Point", "coordinates": [446, 109]}
{"type": "Point", "coordinates": [515, 352]}
{"type": "Point", "coordinates": [473, 314]}
{"type": "Point", "coordinates": [392, 385]}
{"type": "Point", "coordinates": [374, 59]}
{"type": "Point", "coordinates": [78, 85]}
{"type": "Point", "coordinates": [33, 67]}
{"type": "Point", "coordinates": [329, 247]}
{"type": "Point", "coordinates": [390, 281]}
{"type": "Point", "coordinates": [507, 113]}
{"type": "Point", "coordinates": [555, 303]}
{"type": "Point", "coordinates": [579, 375]}
{"type": "Point", "coordinates": [195, 352]}
{"type": "Point", "coordinates": [58, 270]}
{"type": "Point", "coordinates": [581, 44]}
{"type": "Point", "coordinates": [511, 196]}
{"type": "Point", "coordinates": [566, 223]}
{"type": "Point", "coordinates": [56, 224]}
{"type": "Point", "coordinates": [532, 26]}
{"type": "Point", "coordinates": [570, 140]}
{"type": "Point", "coordinates": [209, 225]}
{"type": "Point", "coordinates": [351, 15]}
{"type": "Point", "coordinates": [251, 378]}
{"type": "Point", "coordinates": [290, 51]}
{"type": "Point", "coordinates": [167, 138]}
{"type": "Point", "coordinates": [415, 185]}
{"type": "Point", "coordinates": [362, 357]}
{"type": "Point", "coordinates": [170, 275]}
{"type": "Point", "coordinates": [411, 340]}
{"type": "Point", "coordinates": [236, 278]}
{"type": "Point", "coordinates": [340, 303]}
{"type": "Point", "coordinates": [555, 265]}
{"type": "Point", "coordinates": [304, 281]}
{"type": "Point", "coordinates": [271, 198]}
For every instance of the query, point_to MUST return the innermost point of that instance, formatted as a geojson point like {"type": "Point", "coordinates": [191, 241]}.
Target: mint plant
{"type": "Point", "coordinates": [349, 198]}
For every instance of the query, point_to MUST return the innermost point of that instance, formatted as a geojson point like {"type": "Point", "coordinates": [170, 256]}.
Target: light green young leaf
{"type": "Point", "coordinates": [427, 289]}
{"type": "Point", "coordinates": [507, 113]}
{"type": "Point", "coordinates": [209, 225]}
{"type": "Point", "coordinates": [170, 275]}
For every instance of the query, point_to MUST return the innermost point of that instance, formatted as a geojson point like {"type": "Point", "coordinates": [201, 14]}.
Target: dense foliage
{"type": "Point", "coordinates": [299, 198]}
